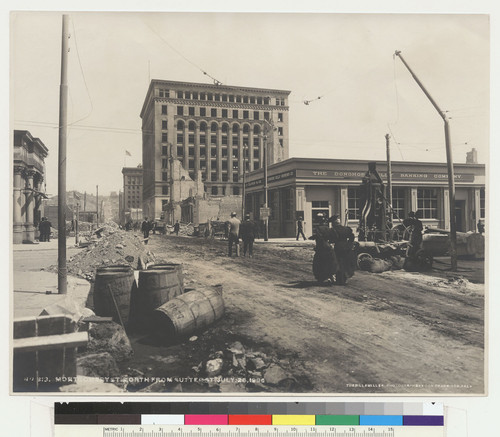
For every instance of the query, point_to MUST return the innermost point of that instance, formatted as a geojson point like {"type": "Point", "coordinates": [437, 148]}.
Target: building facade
{"type": "Point", "coordinates": [307, 187]}
{"type": "Point", "coordinates": [132, 193]}
{"type": "Point", "coordinates": [210, 129]}
{"type": "Point", "coordinates": [28, 186]}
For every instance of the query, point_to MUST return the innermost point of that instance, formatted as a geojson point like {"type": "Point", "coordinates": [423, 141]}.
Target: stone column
{"type": "Point", "coordinates": [29, 236]}
{"type": "Point", "coordinates": [219, 156]}
{"type": "Point", "coordinates": [185, 161]}
{"type": "Point", "coordinates": [344, 205]}
{"type": "Point", "coordinates": [250, 150]}
{"type": "Point", "coordinates": [413, 199]}
{"type": "Point", "coordinates": [18, 225]}
{"type": "Point", "coordinates": [196, 152]}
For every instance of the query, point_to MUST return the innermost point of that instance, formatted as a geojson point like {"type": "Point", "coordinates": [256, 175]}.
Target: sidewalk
{"type": "Point", "coordinates": [46, 245]}
{"type": "Point", "coordinates": [35, 291]}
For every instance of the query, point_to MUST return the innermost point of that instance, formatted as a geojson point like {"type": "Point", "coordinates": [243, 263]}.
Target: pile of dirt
{"type": "Point", "coordinates": [114, 247]}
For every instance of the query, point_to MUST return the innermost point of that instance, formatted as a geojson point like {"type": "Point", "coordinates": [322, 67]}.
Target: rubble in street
{"type": "Point", "coordinates": [115, 246]}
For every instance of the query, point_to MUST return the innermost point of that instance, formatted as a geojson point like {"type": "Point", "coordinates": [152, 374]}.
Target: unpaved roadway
{"type": "Point", "coordinates": [395, 332]}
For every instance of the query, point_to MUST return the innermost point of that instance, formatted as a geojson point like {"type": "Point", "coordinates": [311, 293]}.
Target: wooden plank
{"type": "Point", "coordinates": [24, 328]}
{"type": "Point", "coordinates": [49, 342]}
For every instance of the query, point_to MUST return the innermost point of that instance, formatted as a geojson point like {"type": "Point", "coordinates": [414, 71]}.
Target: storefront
{"type": "Point", "coordinates": [306, 187]}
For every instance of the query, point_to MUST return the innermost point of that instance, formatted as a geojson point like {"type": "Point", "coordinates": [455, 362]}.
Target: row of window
{"type": "Point", "coordinates": [427, 203]}
{"type": "Point", "coordinates": [215, 128]}
{"type": "Point", "coordinates": [216, 97]}
{"type": "Point", "coordinates": [222, 113]}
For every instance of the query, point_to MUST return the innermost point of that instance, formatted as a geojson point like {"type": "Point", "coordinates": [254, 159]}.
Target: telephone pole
{"type": "Point", "coordinates": [389, 177]}
{"type": "Point", "coordinates": [97, 204]}
{"type": "Point", "coordinates": [62, 271]}
{"type": "Point", "coordinates": [449, 159]}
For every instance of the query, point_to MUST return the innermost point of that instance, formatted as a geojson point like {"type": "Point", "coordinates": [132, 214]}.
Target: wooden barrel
{"type": "Point", "coordinates": [114, 268]}
{"type": "Point", "coordinates": [156, 287]}
{"type": "Point", "coordinates": [113, 289]}
{"type": "Point", "coordinates": [188, 313]}
{"type": "Point", "coordinates": [177, 268]}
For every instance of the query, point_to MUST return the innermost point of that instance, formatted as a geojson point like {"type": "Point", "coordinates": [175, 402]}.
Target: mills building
{"type": "Point", "coordinates": [213, 130]}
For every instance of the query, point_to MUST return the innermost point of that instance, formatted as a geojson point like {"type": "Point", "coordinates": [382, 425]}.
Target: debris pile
{"type": "Point", "coordinates": [115, 247]}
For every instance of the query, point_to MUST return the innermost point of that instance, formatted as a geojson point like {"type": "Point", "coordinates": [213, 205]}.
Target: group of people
{"type": "Point", "coordinates": [148, 226]}
{"type": "Point", "coordinates": [334, 258]}
{"type": "Point", "coordinates": [246, 230]}
{"type": "Point", "coordinates": [45, 229]}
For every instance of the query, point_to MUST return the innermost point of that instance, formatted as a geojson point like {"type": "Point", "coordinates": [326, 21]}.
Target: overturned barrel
{"type": "Point", "coordinates": [113, 288]}
{"type": "Point", "coordinates": [189, 312]}
{"type": "Point", "coordinates": [177, 268]}
{"type": "Point", "coordinates": [156, 287]}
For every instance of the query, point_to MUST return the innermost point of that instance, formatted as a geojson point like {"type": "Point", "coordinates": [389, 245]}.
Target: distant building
{"type": "Point", "coordinates": [132, 192]}
{"type": "Point", "coordinates": [210, 129]}
{"type": "Point", "coordinates": [28, 187]}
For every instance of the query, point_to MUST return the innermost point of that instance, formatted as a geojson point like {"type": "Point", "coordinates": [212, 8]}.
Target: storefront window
{"type": "Point", "coordinates": [353, 203]}
{"type": "Point", "coordinates": [288, 203]}
{"type": "Point", "coordinates": [319, 207]}
{"type": "Point", "coordinates": [482, 203]}
{"type": "Point", "coordinates": [398, 203]}
{"type": "Point", "coordinates": [427, 201]}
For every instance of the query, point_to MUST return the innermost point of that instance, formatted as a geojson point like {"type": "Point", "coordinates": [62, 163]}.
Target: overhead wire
{"type": "Point", "coordinates": [216, 81]}
{"type": "Point", "coordinates": [83, 76]}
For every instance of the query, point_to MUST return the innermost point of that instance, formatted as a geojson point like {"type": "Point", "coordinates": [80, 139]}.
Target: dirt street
{"type": "Point", "coordinates": [394, 332]}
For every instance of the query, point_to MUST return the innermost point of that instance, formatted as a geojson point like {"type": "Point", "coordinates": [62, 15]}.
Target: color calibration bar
{"type": "Point", "coordinates": [252, 413]}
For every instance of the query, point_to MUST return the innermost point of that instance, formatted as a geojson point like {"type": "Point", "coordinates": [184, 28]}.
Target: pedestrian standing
{"type": "Point", "coordinates": [41, 228]}
{"type": "Point", "coordinates": [248, 231]}
{"type": "Point", "coordinates": [414, 225]}
{"type": "Point", "coordinates": [145, 228]}
{"type": "Point", "coordinates": [300, 229]}
{"type": "Point", "coordinates": [47, 229]}
{"type": "Point", "coordinates": [233, 230]}
{"type": "Point", "coordinates": [177, 227]}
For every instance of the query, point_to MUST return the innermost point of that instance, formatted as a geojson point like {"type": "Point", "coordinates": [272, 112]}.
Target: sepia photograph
{"type": "Point", "coordinates": [249, 203]}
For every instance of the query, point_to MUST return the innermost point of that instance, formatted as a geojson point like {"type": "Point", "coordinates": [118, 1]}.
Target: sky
{"type": "Point", "coordinates": [347, 60]}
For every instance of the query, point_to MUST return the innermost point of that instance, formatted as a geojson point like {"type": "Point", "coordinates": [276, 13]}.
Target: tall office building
{"type": "Point", "coordinates": [132, 193]}
{"type": "Point", "coordinates": [212, 130]}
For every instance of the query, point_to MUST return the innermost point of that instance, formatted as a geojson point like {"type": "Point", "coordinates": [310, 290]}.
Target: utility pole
{"type": "Point", "coordinates": [171, 180]}
{"type": "Point", "coordinates": [243, 192]}
{"type": "Point", "coordinates": [97, 204]}
{"type": "Point", "coordinates": [85, 201]}
{"type": "Point", "coordinates": [449, 159]}
{"type": "Point", "coordinates": [62, 271]}
{"type": "Point", "coordinates": [76, 222]}
{"type": "Point", "coordinates": [266, 220]}
{"type": "Point", "coordinates": [389, 177]}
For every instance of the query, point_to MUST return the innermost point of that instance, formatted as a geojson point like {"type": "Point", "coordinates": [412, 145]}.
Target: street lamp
{"type": "Point", "coordinates": [266, 200]}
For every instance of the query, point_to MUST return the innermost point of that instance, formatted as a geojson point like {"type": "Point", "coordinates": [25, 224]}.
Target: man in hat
{"type": "Point", "coordinates": [233, 228]}
{"type": "Point", "coordinates": [248, 232]}
{"type": "Point", "coordinates": [343, 238]}
{"type": "Point", "coordinates": [300, 229]}
{"type": "Point", "coordinates": [415, 227]}
{"type": "Point", "coordinates": [145, 228]}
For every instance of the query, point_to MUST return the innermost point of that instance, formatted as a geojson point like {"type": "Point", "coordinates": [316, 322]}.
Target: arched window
{"type": "Point", "coordinates": [225, 128]}
{"type": "Point", "coordinates": [192, 126]}
{"type": "Point", "coordinates": [213, 127]}
{"type": "Point", "coordinates": [256, 129]}
{"type": "Point", "coordinates": [236, 128]}
{"type": "Point", "coordinates": [203, 127]}
{"type": "Point", "coordinates": [246, 128]}
{"type": "Point", "coordinates": [180, 125]}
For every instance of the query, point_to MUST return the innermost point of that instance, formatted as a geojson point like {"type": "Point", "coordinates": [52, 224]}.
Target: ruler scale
{"type": "Point", "coordinates": [248, 420]}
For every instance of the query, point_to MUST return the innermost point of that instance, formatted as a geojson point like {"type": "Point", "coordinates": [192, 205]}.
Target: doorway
{"type": "Point", "coordinates": [460, 215]}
